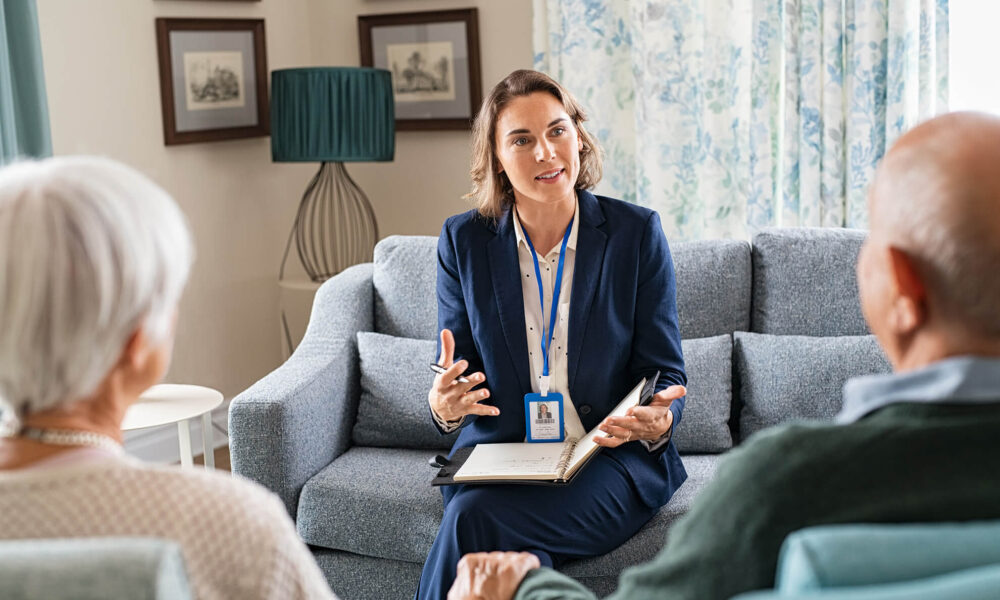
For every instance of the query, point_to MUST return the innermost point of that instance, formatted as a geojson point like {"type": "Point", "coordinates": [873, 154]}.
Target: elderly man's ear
{"type": "Point", "coordinates": [909, 307]}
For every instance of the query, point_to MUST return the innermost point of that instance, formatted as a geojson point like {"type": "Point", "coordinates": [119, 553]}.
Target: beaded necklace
{"type": "Point", "coordinates": [72, 437]}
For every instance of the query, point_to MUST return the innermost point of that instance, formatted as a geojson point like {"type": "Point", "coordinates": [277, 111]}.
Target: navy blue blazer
{"type": "Point", "coordinates": [622, 325]}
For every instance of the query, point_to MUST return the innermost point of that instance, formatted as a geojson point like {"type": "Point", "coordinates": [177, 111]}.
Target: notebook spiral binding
{"type": "Point", "coordinates": [564, 458]}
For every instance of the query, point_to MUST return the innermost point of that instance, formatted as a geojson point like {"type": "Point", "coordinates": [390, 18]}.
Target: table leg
{"type": "Point", "coordinates": [184, 437]}
{"type": "Point", "coordinates": [206, 438]}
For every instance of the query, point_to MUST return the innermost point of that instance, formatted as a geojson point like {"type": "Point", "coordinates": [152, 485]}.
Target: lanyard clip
{"type": "Point", "coordinates": [543, 385]}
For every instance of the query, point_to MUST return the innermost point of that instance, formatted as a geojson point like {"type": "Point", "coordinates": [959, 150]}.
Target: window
{"type": "Point", "coordinates": [974, 45]}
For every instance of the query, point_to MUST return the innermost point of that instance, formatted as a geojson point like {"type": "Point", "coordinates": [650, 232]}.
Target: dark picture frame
{"type": "Point", "coordinates": [434, 58]}
{"type": "Point", "coordinates": [213, 79]}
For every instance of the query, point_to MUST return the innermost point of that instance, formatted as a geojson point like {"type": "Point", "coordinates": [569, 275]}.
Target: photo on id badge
{"type": "Point", "coordinates": [545, 417]}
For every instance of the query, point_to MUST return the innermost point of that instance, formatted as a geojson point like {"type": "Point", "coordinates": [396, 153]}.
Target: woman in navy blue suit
{"type": "Point", "coordinates": [546, 287]}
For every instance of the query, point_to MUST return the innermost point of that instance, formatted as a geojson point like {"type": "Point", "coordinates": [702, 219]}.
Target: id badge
{"type": "Point", "coordinates": [543, 417]}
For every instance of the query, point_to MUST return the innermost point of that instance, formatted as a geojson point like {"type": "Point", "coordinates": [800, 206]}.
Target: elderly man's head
{"type": "Point", "coordinates": [93, 257]}
{"type": "Point", "coordinates": [929, 274]}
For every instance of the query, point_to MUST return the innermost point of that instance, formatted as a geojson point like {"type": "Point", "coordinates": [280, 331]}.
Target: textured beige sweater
{"type": "Point", "coordinates": [236, 537]}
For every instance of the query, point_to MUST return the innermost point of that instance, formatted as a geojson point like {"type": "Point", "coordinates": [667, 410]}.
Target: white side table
{"type": "Point", "coordinates": [177, 403]}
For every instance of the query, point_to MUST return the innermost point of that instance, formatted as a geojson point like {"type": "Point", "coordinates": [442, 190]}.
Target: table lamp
{"type": "Point", "coordinates": [332, 115]}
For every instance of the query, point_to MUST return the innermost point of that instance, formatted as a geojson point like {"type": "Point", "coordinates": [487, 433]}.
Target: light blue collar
{"type": "Point", "coordinates": [964, 380]}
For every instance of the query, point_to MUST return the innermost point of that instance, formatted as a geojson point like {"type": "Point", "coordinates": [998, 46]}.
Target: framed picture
{"type": "Point", "coordinates": [434, 60]}
{"type": "Point", "coordinates": [213, 79]}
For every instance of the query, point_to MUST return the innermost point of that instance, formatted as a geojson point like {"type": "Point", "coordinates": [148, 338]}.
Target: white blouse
{"type": "Point", "coordinates": [536, 323]}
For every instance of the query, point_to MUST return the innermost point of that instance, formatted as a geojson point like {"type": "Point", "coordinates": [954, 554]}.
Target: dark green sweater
{"type": "Point", "coordinates": [904, 463]}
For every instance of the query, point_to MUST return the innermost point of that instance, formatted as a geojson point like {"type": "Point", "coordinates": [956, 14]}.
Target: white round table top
{"type": "Point", "coordinates": [169, 403]}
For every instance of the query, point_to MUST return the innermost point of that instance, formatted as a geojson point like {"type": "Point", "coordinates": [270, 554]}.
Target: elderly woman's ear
{"type": "Point", "coordinates": [136, 351]}
{"type": "Point", "coordinates": [144, 360]}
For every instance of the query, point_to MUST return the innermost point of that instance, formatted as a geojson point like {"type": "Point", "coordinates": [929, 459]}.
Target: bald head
{"type": "Point", "coordinates": [936, 196]}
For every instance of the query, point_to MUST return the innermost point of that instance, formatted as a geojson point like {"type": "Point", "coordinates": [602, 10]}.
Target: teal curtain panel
{"type": "Point", "coordinates": [728, 116]}
{"type": "Point", "coordinates": [24, 115]}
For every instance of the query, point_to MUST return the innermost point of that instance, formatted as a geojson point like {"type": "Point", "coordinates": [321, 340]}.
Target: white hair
{"type": "Point", "coordinates": [90, 251]}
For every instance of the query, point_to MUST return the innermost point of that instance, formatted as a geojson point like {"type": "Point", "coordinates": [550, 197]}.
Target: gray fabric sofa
{"type": "Point", "coordinates": [341, 433]}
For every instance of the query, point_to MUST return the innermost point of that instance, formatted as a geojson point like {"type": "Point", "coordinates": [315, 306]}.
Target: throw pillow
{"type": "Point", "coordinates": [705, 424]}
{"type": "Point", "coordinates": [793, 377]}
{"type": "Point", "coordinates": [395, 377]}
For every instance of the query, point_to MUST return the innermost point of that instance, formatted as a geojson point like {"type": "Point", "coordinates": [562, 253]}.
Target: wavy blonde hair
{"type": "Point", "coordinates": [491, 190]}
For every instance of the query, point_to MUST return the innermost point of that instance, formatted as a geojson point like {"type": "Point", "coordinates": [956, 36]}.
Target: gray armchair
{"type": "Point", "coordinates": [92, 569]}
{"type": "Point", "coordinates": [297, 420]}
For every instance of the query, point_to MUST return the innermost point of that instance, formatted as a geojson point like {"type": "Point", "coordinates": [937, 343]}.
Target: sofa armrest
{"type": "Point", "coordinates": [292, 423]}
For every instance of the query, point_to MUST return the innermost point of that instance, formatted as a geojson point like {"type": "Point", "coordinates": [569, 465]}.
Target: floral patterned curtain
{"type": "Point", "coordinates": [727, 116]}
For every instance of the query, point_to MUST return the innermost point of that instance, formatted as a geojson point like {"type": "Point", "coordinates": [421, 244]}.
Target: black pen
{"type": "Point", "coordinates": [440, 371]}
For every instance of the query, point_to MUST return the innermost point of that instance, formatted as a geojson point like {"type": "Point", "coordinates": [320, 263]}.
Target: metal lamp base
{"type": "Point", "coordinates": [335, 226]}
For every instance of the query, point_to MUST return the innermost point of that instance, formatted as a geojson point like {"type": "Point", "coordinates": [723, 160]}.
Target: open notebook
{"type": "Point", "coordinates": [538, 462]}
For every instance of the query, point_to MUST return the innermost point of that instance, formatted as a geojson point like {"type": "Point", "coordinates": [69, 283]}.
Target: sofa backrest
{"type": "Point", "coordinates": [405, 281]}
{"type": "Point", "coordinates": [795, 281]}
{"type": "Point", "coordinates": [897, 561]}
{"type": "Point", "coordinates": [786, 288]}
{"type": "Point", "coordinates": [92, 569]}
{"type": "Point", "coordinates": [804, 282]}
{"type": "Point", "coordinates": [875, 554]}
{"type": "Point", "coordinates": [808, 336]}
{"type": "Point", "coordinates": [713, 287]}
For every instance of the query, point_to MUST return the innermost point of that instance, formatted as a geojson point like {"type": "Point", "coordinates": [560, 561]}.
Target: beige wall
{"type": "Point", "coordinates": [425, 184]}
{"type": "Point", "coordinates": [103, 90]}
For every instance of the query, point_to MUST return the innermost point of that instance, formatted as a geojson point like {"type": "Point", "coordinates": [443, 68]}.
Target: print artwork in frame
{"type": "Point", "coordinates": [213, 79]}
{"type": "Point", "coordinates": [434, 60]}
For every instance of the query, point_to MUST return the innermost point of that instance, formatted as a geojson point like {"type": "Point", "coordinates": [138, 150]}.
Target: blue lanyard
{"type": "Point", "coordinates": [547, 337]}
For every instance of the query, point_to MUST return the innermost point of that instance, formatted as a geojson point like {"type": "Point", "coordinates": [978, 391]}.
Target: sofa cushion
{"type": "Point", "coordinates": [705, 424]}
{"type": "Point", "coordinates": [788, 377]}
{"type": "Point", "coordinates": [405, 280]}
{"type": "Point", "coordinates": [648, 541]}
{"type": "Point", "coordinates": [379, 502]}
{"type": "Point", "coordinates": [395, 377]}
{"type": "Point", "coordinates": [373, 501]}
{"type": "Point", "coordinates": [804, 282]}
{"type": "Point", "coordinates": [713, 287]}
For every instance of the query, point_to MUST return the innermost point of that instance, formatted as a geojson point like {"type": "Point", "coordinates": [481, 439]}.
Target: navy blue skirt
{"type": "Point", "coordinates": [594, 514]}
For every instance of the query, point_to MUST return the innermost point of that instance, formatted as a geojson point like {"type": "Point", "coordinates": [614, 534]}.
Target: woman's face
{"type": "Point", "coordinates": [538, 148]}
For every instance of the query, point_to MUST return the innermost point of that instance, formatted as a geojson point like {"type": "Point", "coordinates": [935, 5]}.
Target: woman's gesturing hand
{"type": "Point", "coordinates": [650, 422]}
{"type": "Point", "coordinates": [451, 399]}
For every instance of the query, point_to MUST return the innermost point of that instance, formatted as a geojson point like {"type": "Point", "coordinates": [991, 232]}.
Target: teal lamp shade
{"type": "Point", "coordinates": [332, 114]}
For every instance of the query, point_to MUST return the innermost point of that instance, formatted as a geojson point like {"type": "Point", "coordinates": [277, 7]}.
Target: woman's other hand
{"type": "Point", "coordinates": [650, 422]}
{"type": "Point", "coordinates": [491, 575]}
{"type": "Point", "coordinates": [451, 399]}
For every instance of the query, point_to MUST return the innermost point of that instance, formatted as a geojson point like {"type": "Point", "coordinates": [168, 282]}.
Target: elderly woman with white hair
{"type": "Point", "coordinates": [93, 259]}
